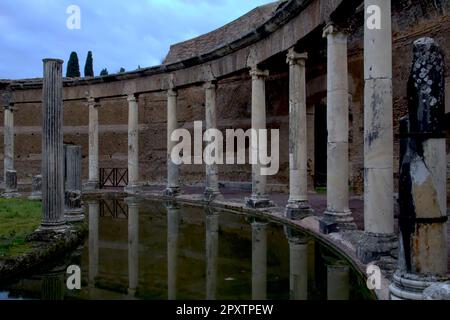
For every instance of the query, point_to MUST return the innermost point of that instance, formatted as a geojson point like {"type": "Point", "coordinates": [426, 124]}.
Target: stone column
{"type": "Point", "coordinates": [423, 254]}
{"type": "Point", "coordinates": [11, 185]}
{"type": "Point", "coordinates": [173, 183]}
{"type": "Point", "coordinates": [52, 147]}
{"type": "Point", "coordinates": [212, 173]}
{"type": "Point", "coordinates": [337, 125]}
{"type": "Point", "coordinates": [259, 197]}
{"type": "Point", "coordinates": [134, 185]}
{"type": "Point", "coordinates": [93, 206]}
{"type": "Point", "coordinates": [93, 182]}
{"type": "Point", "coordinates": [298, 276]}
{"type": "Point", "coordinates": [338, 282]}
{"type": "Point", "coordinates": [8, 136]}
{"type": "Point", "coordinates": [73, 211]}
{"type": "Point", "coordinates": [259, 260]}
{"type": "Point", "coordinates": [378, 137]}
{"type": "Point", "coordinates": [298, 206]}
{"type": "Point", "coordinates": [133, 244]}
{"type": "Point", "coordinates": [36, 188]}
{"type": "Point", "coordinates": [173, 225]}
{"type": "Point", "coordinates": [212, 250]}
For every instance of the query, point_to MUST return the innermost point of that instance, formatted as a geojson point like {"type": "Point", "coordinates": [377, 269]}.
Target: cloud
{"type": "Point", "coordinates": [119, 33]}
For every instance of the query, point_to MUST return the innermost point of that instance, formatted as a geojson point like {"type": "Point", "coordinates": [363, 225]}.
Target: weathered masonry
{"type": "Point", "coordinates": [314, 69]}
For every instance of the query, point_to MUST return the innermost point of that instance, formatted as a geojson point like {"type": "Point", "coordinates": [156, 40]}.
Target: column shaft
{"type": "Point", "coordinates": [93, 182]}
{"type": "Point", "coordinates": [212, 250]}
{"type": "Point", "coordinates": [8, 139]}
{"type": "Point", "coordinates": [133, 145]}
{"type": "Point", "coordinates": [259, 260]}
{"type": "Point", "coordinates": [72, 185]}
{"type": "Point", "coordinates": [298, 205]}
{"type": "Point", "coordinates": [52, 146]}
{"type": "Point", "coordinates": [173, 224]}
{"type": "Point", "coordinates": [337, 126]}
{"type": "Point", "coordinates": [93, 241]}
{"type": "Point", "coordinates": [133, 245]}
{"type": "Point", "coordinates": [173, 186]}
{"type": "Point", "coordinates": [212, 175]}
{"type": "Point", "coordinates": [378, 127]}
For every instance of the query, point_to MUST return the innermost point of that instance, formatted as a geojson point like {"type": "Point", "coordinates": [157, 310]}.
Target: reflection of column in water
{"type": "Point", "coordinates": [212, 248]}
{"type": "Point", "coordinates": [259, 260]}
{"type": "Point", "coordinates": [173, 221]}
{"type": "Point", "coordinates": [298, 275]}
{"type": "Point", "coordinates": [133, 244]}
{"type": "Point", "coordinates": [93, 240]}
{"type": "Point", "coordinates": [53, 286]}
{"type": "Point", "coordinates": [338, 281]}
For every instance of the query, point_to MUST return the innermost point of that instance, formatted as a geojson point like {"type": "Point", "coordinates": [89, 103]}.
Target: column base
{"type": "Point", "coordinates": [298, 210]}
{"type": "Point", "coordinates": [35, 196]}
{"type": "Point", "coordinates": [10, 194]}
{"type": "Point", "coordinates": [172, 192]}
{"type": "Point", "coordinates": [48, 232]}
{"type": "Point", "coordinates": [334, 221]}
{"type": "Point", "coordinates": [211, 195]}
{"type": "Point", "coordinates": [374, 246]}
{"type": "Point", "coordinates": [91, 186]}
{"type": "Point", "coordinates": [74, 214]}
{"type": "Point", "coordinates": [406, 286]}
{"type": "Point", "coordinates": [256, 202]}
{"type": "Point", "coordinates": [133, 189]}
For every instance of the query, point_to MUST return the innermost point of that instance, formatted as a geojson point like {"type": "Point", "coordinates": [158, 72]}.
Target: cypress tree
{"type": "Point", "coordinates": [89, 66]}
{"type": "Point", "coordinates": [122, 70]}
{"type": "Point", "coordinates": [73, 67]}
{"type": "Point", "coordinates": [104, 72]}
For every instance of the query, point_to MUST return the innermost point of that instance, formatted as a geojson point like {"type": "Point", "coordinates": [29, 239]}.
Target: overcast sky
{"type": "Point", "coordinates": [120, 33]}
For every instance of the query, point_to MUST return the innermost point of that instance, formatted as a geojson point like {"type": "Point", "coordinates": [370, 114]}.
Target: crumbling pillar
{"type": "Point", "coordinates": [212, 172]}
{"type": "Point", "coordinates": [259, 197]}
{"type": "Point", "coordinates": [423, 254]}
{"type": "Point", "coordinates": [212, 251]}
{"type": "Point", "coordinates": [36, 188]}
{"type": "Point", "coordinates": [134, 185]}
{"type": "Point", "coordinates": [337, 125]}
{"type": "Point", "coordinates": [11, 190]}
{"type": "Point", "coordinates": [133, 244]}
{"type": "Point", "coordinates": [93, 207]}
{"type": "Point", "coordinates": [173, 225]}
{"type": "Point", "coordinates": [93, 182]}
{"type": "Point", "coordinates": [173, 183]}
{"type": "Point", "coordinates": [52, 147]}
{"type": "Point", "coordinates": [259, 260]}
{"type": "Point", "coordinates": [73, 210]}
{"type": "Point", "coordinates": [378, 137]}
{"type": "Point", "coordinates": [298, 206]}
{"type": "Point", "coordinates": [338, 281]}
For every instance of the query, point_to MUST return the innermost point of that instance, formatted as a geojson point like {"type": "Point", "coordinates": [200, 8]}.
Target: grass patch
{"type": "Point", "coordinates": [18, 218]}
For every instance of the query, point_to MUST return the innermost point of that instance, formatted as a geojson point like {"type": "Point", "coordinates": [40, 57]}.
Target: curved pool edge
{"type": "Point", "coordinates": [309, 225]}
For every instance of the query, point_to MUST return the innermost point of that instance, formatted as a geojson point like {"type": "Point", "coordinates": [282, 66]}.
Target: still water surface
{"type": "Point", "coordinates": [154, 250]}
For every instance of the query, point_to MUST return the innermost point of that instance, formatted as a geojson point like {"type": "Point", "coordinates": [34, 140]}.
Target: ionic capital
{"type": "Point", "coordinates": [333, 29]}
{"type": "Point", "coordinates": [132, 98]}
{"type": "Point", "coordinates": [293, 57]}
{"type": "Point", "coordinates": [258, 74]}
{"type": "Point", "coordinates": [210, 85]}
{"type": "Point", "coordinates": [172, 93]}
{"type": "Point", "coordinates": [92, 102]}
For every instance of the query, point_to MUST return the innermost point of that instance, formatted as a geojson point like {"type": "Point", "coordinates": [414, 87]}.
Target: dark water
{"type": "Point", "coordinates": [154, 250]}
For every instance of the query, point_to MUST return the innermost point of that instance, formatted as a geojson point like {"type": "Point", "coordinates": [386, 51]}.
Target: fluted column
{"type": "Point", "coordinates": [73, 210]}
{"type": "Point", "coordinates": [93, 182]}
{"type": "Point", "coordinates": [212, 173]}
{"type": "Point", "coordinates": [52, 147]}
{"type": "Point", "coordinates": [133, 146]}
{"type": "Point", "coordinates": [259, 197]}
{"type": "Point", "coordinates": [212, 251]}
{"type": "Point", "coordinates": [173, 183]}
{"type": "Point", "coordinates": [337, 126]}
{"type": "Point", "coordinates": [93, 206]}
{"type": "Point", "coordinates": [298, 206]}
{"type": "Point", "coordinates": [8, 136]}
{"type": "Point", "coordinates": [133, 245]}
{"type": "Point", "coordinates": [173, 225]}
{"type": "Point", "coordinates": [378, 135]}
{"type": "Point", "coordinates": [259, 260]}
